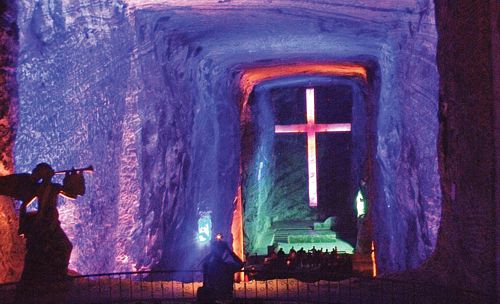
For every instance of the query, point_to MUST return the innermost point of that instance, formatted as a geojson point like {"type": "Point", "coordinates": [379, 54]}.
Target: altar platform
{"type": "Point", "coordinates": [306, 234]}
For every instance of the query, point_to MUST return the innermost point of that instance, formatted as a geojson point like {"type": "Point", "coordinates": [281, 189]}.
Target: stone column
{"type": "Point", "coordinates": [465, 255]}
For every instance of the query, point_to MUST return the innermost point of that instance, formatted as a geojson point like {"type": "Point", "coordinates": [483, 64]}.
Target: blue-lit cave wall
{"type": "Point", "coordinates": [150, 96]}
{"type": "Point", "coordinates": [72, 76]}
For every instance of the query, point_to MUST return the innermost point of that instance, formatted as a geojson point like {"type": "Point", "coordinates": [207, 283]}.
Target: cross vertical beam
{"type": "Point", "coordinates": [311, 128]}
{"type": "Point", "coordinates": [311, 149]}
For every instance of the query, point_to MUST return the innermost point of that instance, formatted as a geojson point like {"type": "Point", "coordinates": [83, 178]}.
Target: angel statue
{"type": "Point", "coordinates": [48, 249]}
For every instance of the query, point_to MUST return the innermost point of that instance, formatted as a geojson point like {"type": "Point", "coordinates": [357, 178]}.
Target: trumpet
{"type": "Point", "coordinates": [88, 169]}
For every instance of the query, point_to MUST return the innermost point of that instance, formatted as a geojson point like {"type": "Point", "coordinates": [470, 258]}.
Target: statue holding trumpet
{"type": "Point", "coordinates": [48, 249]}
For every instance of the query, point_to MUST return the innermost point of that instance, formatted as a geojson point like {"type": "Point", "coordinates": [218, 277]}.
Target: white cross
{"type": "Point", "coordinates": [311, 128]}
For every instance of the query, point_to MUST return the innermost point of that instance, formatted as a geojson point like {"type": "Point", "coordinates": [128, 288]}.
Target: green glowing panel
{"type": "Point", "coordinates": [313, 238]}
{"type": "Point", "coordinates": [360, 204]}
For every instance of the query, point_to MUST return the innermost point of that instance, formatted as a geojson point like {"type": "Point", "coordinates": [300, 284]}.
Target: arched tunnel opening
{"type": "Point", "coordinates": [311, 175]}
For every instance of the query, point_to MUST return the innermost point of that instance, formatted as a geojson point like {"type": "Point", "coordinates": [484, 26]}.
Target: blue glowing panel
{"type": "Point", "coordinates": [204, 228]}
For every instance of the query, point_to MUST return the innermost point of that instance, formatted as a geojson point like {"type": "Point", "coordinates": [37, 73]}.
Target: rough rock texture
{"type": "Point", "coordinates": [465, 255]}
{"type": "Point", "coordinates": [199, 53]}
{"type": "Point", "coordinates": [11, 249]}
{"type": "Point", "coordinates": [149, 94]}
{"type": "Point", "coordinates": [407, 195]}
{"type": "Point", "coordinates": [495, 45]}
{"type": "Point", "coordinates": [73, 64]}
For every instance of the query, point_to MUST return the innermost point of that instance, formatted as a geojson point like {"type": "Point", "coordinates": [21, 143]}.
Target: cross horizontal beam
{"type": "Point", "coordinates": [311, 128]}
{"type": "Point", "coordinates": [317, 128]}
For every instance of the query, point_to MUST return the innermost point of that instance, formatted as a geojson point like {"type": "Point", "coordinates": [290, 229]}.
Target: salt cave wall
{"type": "Point", "coordinates": [197, 48]}
{"type": "Point", "coordinates": [148, 93]}
{"type": "Point", "coordinates": [468, 65]}
{"type": "Point", "coordinates": [11, 247]}
{"type": "Point", "coordinates": [407, 202]}
{"type": "Point", "coordinates": [72, 74]}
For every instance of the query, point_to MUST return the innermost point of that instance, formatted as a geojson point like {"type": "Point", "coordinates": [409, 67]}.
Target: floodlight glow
{"type": "Point", "coordinates": [31, 201]}
{"type": "Point", "coordinates": [311, 128]}
{"type": "Point", "coordinates": [360, 204]}
{"type": "Point", "coordinates": [374, 261]}
{"type": "Point", "coordinates": [204, 227]}
{"type": "Point", "coordinates": [67, 197]}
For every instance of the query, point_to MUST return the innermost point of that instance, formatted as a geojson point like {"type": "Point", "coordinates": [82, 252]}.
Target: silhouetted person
{"type": "Point", "coordinates": [219, 267]}
{"type": "Point", "coordinates": [281, 261]}
{"type": "Point", "coordinates": [48, 249]}
{"type": "Point", "coordinates": [271, 253]}
{"type": "Point", "coordinates": [301, 256]}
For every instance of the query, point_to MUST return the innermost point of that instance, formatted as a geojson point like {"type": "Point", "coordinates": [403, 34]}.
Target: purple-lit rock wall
{"type": "Point", "coordinates": [150, 97]}
{"type": "Point", "coordinates": [466, 256]}
{"type": "Point", "coordinates": [73, 67]}
{"type": "Point", "coordinates": [407, 199]}
{"type": "Point", "coordinates": [11, 246]}
{"type": "Point", "coordinates": [209, 50]}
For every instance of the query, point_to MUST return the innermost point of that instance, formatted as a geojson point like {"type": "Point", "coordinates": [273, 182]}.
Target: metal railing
{"type": "Point", "coordinates": [181, 287]}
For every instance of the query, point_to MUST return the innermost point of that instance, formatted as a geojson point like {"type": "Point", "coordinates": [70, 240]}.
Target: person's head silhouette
{"type": "Point", "coordinates": [42, 171]}
{"type": "Point", "coordinates": [218, 246]}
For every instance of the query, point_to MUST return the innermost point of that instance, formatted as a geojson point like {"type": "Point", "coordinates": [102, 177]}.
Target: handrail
{"type": "Point", "coordinates": [122, 287]}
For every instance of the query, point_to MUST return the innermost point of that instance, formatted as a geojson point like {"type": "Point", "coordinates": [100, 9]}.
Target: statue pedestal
{"type": "Point", "coordinates": [47, 257]}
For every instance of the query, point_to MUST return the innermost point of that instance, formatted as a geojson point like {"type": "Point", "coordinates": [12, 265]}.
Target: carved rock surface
{"type": "Point", "coordinates": [11, 245]}
{"type": "Point", "coordinates": [148, 93]}
{"type": "Point", "coordinates": [469, 93]}
{"type": "Point", "coordinates": [74, 60]}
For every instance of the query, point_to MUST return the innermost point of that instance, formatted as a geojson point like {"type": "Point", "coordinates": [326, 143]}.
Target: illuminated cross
{"type": "Point", "coordinates": [311, 128]}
